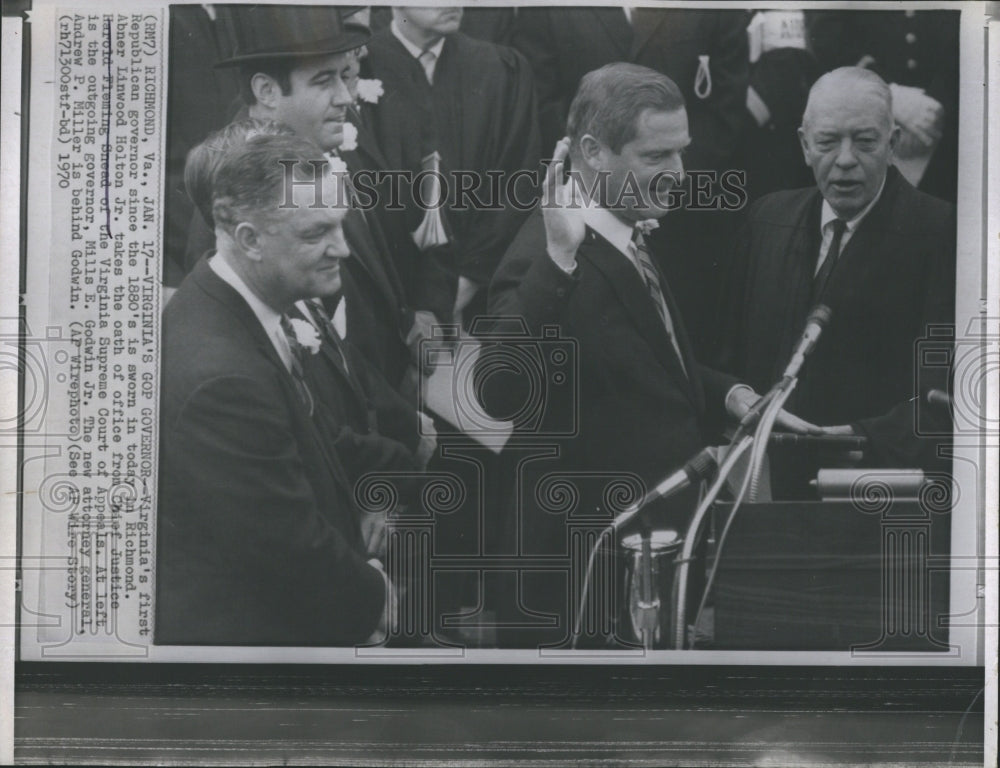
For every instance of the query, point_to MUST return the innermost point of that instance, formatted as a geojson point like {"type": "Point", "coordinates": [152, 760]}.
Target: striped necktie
{"type": "Point", "coordinates": [830, 262]}
{"type": "Point", "coordinates": [322, 320]}
{"type": "Point", "coordinates": [652, 280]}
{"type": "Point", "coordinates": [297, 371]}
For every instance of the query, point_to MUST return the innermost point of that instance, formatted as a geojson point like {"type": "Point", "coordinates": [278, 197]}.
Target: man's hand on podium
{"type": "Point", "coordinates": [853, 457]}
{"type": "Point", "coordinates": [742, 398]}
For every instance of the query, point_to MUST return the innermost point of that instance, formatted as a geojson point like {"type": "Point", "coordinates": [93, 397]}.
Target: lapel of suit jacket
{"type": "Point", "coordinates": [617, 27]}
{"type": "Point", "coordinates": [368, 156]}
{"type": "Point", "coordinates": [635, 298]}
{"type": "Point", "coordinates": [302, 421]}
{"type": "Point", "coordinates": [797, 270]}
{"type": "Point", "coordinates": [366, 252]}
{"type": "Point", "coordinates": [333, 351]}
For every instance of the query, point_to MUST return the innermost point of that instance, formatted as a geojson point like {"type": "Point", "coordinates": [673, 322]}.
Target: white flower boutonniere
{"type": "Point", "coordinates": [306, 335]}
{"type": "Point", "coordinates": [350, 137]}
{"type": "Point", "coordinates": [646, 226]}
{"type": "Point", "coordinates": [370, 90]}
{"type": "Point", "coordinates": [336, 164]}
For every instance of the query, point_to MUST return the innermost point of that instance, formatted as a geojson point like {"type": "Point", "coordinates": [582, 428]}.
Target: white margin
{"type": "Point", "coordinates": [11, 36]}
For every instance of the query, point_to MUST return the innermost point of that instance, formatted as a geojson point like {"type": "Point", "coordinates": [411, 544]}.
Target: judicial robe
{"type": "Point", "coordinates": [480, 116]}
{"type": "Point", "coordinates": [892, 291]}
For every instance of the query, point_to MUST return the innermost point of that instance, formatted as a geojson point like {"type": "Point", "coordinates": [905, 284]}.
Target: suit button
{"type": "Point", "coordinates": [911, 64]}
{"type": "Point", "coordinates": [911, 38]}
{"type": "Point", "coordinates": [560, 292]}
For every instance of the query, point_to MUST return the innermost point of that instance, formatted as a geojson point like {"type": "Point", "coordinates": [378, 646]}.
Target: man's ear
{"type": "Point", "coordinates": [803, 142]}
{"type": "Point", "coordinates": [894, 135]}
{"type": "Point", "coordinates": [592, 152]}
{"type": "Point", "coordinates": [247, 238]}
{"type": "Point", "coordinates": [265, 90]}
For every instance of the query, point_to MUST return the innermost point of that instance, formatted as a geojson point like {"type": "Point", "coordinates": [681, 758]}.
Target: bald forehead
{"type": "Point", "coordinates": [840, 91]}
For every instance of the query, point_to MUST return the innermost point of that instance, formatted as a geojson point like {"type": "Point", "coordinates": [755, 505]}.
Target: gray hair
{"type": "Point", "coordinates": [251, 179]}
{"type": "Point", "coordinates": [848, 80]}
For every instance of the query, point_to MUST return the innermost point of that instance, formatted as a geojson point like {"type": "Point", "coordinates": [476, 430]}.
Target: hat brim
{"type": "Point", "coordinates": [352, 39]}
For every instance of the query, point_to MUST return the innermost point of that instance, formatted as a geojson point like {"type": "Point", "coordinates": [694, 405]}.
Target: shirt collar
{"type": "Point", "coordinates": [266, 315]}
{"type": "Point", "coordinates": [828, 214]}
{"type": "Point", "coordinates": [414, 50]}
{"type": "Point", "coordinates": [609, 226]}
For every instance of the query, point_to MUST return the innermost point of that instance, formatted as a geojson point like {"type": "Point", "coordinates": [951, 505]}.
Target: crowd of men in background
{"type": "Point", "coordinates": [292, 347]}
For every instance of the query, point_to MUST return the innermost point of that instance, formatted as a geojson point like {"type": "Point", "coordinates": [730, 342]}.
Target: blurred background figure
{"type": "Point", "coordinates": [782, 70]}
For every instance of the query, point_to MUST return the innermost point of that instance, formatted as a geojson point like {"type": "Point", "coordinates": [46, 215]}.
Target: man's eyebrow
{"type": "Point", "coordinates": [323, 74]}
{"type": "Point", "coordinates": [315, 229]}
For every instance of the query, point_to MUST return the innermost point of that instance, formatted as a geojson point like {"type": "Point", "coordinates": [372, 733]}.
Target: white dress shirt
{"type": "Point", "coordinates": [269, 319]}
{"type": "Point", "coordinates": [826, 219]}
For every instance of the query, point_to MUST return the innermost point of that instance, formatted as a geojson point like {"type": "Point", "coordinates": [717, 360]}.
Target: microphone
{"type": "Point", "coordinates": [701, 466]}
{"type": "Point", "coordinates": [815, 323]}
{"type": "Point", "coordinates": [939, 397]}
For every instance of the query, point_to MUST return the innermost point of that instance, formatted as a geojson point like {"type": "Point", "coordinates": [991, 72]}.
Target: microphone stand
{"type": "Point", "coordinates": [738, 447]}
{"type": "Point", "coordinates": [649, 605]}
{"type": "Point", "coordinates": [697, 468]}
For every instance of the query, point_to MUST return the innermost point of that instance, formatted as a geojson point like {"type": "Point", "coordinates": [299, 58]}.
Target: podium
{"type": "Point", "coordinates": [833, 576]}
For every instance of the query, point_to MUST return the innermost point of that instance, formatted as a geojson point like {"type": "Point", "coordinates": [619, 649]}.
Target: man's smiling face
{"type": "Point", "coordinates": [316, 105]}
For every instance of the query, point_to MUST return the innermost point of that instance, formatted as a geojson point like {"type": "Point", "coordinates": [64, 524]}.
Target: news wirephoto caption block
{"type": "Point", "coordinates": [880, 571]}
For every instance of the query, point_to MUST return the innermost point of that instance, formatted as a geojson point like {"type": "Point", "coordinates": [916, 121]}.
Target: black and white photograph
{"type": "Point", "coordinates": [646, 353]}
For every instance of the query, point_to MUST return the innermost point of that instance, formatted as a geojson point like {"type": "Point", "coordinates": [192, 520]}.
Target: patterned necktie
{"type": "Point", "coordinates": [652, 280]}
{"type": "Point", "coordinates": [323, 321]}
{"type": "Point", "coordinates": [427, 59]}
{"type": "Point", "coordinates": [830, 262]}
{"type": "Point", "coordinates": [297, 371]}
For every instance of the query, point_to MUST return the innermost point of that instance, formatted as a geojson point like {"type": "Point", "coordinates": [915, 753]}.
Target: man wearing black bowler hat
{"type": "Point", "coordinates": [298, 65]}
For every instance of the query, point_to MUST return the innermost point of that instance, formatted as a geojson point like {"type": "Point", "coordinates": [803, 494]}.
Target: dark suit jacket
{"type": "Point", "coordinates": [378, 318]}
{"type": "Point", "coordinates": [893, 282]}
{"type": "Point", "coordinates": [257, 539]}
{"type": "Point", "coordinates": [372, 426]}
{"type": "Point", "coordinates": [378, 314]}
{"type": "Point", "coordinates": [636, 417]}
{"type": "Point", "coordinates": [637, 411]}
{"type": "Point", "coordinates": [564, 44]}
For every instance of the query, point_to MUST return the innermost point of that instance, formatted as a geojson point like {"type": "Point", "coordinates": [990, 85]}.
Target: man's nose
{"type": "Point", "coordinates": [845, 153]}
{"type": "Point", "coordinates": [341, 95]}
{"type": "Point", "coordinates": [678, 170]}
{"type": "Point", "coordinates": [336, 246]}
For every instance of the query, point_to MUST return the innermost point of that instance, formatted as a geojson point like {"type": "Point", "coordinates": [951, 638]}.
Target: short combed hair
{"type": "Point", "coordinates": [204, 159]}
{"type": "Point", "coordinates": [279, 70]}
{"type": "Point", "coordinates": [848, 80]}
{"type": "Point", "coordinates": [250, 180]}
{"type": "Point", "coordinates": [609, 101]}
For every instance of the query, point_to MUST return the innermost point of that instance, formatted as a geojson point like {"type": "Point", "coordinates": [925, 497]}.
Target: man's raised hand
{"type": "Point", "coordinates": [562, 211]}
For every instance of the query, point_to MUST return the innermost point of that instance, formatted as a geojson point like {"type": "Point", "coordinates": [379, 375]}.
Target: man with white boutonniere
{"type": "Point", "coordinates": [299, 66]}
{"type": "Point", "coordinates": [259, 541]}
